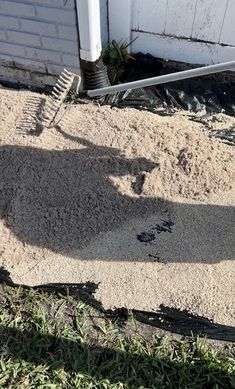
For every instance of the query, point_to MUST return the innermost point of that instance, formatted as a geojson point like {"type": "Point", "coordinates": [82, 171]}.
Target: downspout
{"type": "Point", "coordinates": [88, 17]}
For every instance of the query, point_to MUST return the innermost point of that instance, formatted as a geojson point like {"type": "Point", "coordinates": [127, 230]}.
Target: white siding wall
{"type": "Point", "coordinates": [38, 38]}
{"type": "Point", "coordinates": [192, 31]}
{"type": "Point", "coordinates": [104, 21]}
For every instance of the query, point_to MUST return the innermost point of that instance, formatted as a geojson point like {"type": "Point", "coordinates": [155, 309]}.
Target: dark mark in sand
{"type": "Point", "coordinates": [165, 226]}
{"type": "Point", "coordinates": [149, 236]}
{"type": "Point", "coordinates": [146, 237]}
{"type": "Point", "coordinates": [156, 257]}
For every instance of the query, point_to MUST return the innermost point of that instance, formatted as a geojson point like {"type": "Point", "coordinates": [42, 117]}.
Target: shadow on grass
{"type": "Point", "coordinates": [131, 363]}
{"type": "Point", "coordinates": [60, 341]}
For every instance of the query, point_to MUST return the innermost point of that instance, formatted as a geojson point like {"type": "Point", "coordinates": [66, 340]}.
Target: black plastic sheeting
{"type": "Point", "coordinates": [166, 318]}
{"type": "Point", "coordinates": [210, 94]}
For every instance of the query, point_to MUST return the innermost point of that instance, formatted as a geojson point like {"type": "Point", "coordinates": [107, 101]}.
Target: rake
{"type": "Point", "coordinates": [54, 103]}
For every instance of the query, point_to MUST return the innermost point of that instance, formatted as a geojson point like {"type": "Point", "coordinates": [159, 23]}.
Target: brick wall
{"type": "Point", "coordinates": [38, 38]}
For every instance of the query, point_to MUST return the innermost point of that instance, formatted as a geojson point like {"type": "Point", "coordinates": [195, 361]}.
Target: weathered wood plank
{"type": "Point", "coordinates": [180, 17]}
{"type": "Point", "coordinates": [209, 19]}
{"type": "Point", "coordinates": [182, 50]}
{"type": "Point", "coordinates": [152, 15]}
{"type": "Point", "coordinates": [228, 29]}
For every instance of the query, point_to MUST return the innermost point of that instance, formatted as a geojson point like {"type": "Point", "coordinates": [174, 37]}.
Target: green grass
{"type": "Point", "coordinates": [53, 341]}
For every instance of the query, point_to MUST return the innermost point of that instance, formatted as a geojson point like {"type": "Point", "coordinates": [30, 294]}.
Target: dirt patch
{"type": "Point", "coordinates": [128, 200]}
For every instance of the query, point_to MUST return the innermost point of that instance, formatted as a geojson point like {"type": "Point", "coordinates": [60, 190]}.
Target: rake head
{"type": "Point", "coordinates": [55, 101]}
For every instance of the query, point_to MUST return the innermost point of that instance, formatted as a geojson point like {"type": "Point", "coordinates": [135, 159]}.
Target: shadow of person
{"type": "Point", "coordinates": [62, 199]}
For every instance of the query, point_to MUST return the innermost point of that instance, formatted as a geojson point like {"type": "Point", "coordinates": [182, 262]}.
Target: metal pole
{"type": "Point", "coordinates": [203, 71]}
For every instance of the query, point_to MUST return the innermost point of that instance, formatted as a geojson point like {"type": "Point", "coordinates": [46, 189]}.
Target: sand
{"type": "Point", "coordinates": [139, 204]}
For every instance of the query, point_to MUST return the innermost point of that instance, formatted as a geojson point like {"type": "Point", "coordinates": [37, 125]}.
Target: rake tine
{"type": "Point", "coordinates": [58, 95]}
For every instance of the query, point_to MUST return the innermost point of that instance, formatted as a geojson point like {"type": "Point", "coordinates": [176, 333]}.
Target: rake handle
{"type": "Point", "coordinates": [183, 75]}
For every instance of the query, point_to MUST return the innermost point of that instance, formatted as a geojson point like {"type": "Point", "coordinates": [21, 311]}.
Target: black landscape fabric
{"type": "Point", "coordinates": [211, 94]}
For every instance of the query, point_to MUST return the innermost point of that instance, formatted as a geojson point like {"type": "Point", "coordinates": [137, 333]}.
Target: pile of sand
{"type": "Point", "coordinates": [74, 199]}
{"type": "Point", "coordinates": [121, 165]}
{"type": "Point", "coordinates": [184, 161]}
{"type": "Point", "coordinates": [198, 169]}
